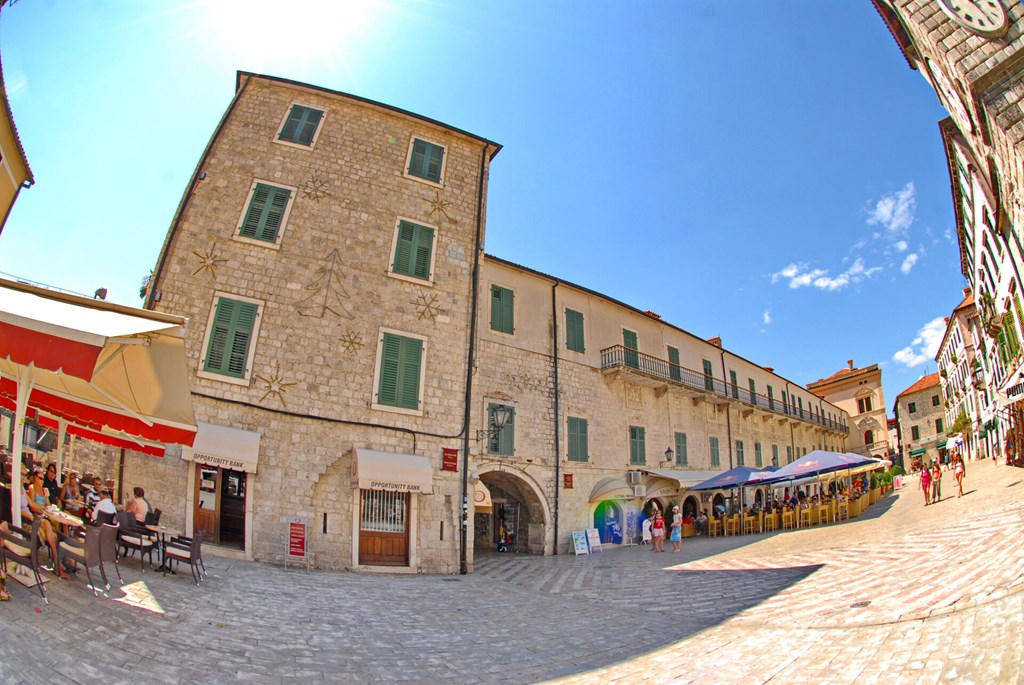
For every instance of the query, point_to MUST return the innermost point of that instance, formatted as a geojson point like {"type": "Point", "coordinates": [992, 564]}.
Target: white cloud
{"type": "Point", "coordinates": [766, 317]}
{"type": "Point", "coordinates": [895, 211]}
{"type": "Point", "coordinates": [909, 263]}
{"type": "Point", "coordinates": [801, 276]}
{"type": "Point", "coordinates": [925, 345]}
{"type": "Point", "coordinates": [901, 246]}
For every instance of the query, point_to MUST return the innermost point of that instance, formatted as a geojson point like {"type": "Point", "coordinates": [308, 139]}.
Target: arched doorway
{"type": "Point", "coordinates": [609, 519]}
{"type": "Point", "coordinates": [690, 507]}
{"type": "Point", "coordinates": [515, 520]}
{"type": "Point", "coordinates": [718, 504]}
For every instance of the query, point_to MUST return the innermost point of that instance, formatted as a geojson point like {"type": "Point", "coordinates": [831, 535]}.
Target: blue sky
{"type": "Point", "coordinates": [771, 173]}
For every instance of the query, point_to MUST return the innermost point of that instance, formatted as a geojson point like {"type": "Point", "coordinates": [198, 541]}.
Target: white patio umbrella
{"type": "Point", "coordinates": [104, 371]}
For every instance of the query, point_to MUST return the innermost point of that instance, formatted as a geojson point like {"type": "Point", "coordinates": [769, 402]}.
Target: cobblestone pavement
{"type": "Point", "coordinates": [903, 594]}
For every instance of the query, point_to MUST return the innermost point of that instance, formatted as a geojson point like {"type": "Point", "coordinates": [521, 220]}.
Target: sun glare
{"type": "Point", "coordinates": [289, 36]}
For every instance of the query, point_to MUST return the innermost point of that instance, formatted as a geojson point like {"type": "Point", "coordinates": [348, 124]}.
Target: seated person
{"type": "Point", "coordinates": [71, 495]}
{"type": "Point", "coordinates": [93, 494]}
{"type": "Point", "coordinates": [702, 523]}
{"type": "Point", "coordinates": [34, 504]}
{"type": "Point", "coordinates": [52, 485]}
{"type": "Point", "coordinates": [104, 506]}
{"type": "Point", "coordinates": [139, 505]}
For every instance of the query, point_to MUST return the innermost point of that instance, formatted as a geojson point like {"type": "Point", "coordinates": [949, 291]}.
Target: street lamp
{"type": "Point", "coordinates": [978, 376]}
{"type": "Point", "coordinates": [499, 416]}
{"type": "Point", "coordinates": [668, 455]}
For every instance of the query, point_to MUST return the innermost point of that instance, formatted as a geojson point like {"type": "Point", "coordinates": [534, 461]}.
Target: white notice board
{"type": "Point", "coordinates": [579, 542]}
{"type": "Point", "coordinates": [593, 540]}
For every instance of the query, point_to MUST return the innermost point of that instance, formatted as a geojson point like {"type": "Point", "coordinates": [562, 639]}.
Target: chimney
{"type": "Point", "coordinates": [849, 363]}
{"type": "Point", "coordinates": [967, 292]}
{"type": "Point", "coordinates": [716, 341]}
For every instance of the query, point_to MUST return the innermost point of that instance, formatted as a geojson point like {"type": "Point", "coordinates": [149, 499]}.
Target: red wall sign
{"type": "Point", "coordinates": [449, 459]}
{"type": "Point", "coordinates": [297, 539]}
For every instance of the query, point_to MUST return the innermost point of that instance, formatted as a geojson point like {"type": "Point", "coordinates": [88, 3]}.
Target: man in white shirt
{"type": "Point", "coordinates": [105, 505]}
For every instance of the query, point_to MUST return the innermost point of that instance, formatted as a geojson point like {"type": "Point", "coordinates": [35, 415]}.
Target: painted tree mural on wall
{"type": "Point", "coordinates": [327, 292]}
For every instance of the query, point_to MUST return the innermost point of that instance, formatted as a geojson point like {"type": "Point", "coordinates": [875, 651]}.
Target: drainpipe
{"type": "Point", "coordinates": [792, 438]}
{"type": "Point", "coordinates": [558, 420]}
{"type": "Point", "coordinates": [728, 410]}
{"type": "Point", "coordinates": [470, 363]}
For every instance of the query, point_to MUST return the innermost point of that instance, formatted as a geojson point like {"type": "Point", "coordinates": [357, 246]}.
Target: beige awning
{"type": "Point", "coordinates": [393, 471]}
{"type": "Point", "coordinates": [231, 448]}
{"type": "Point", "coordinates": [686, 478]}
{"type": "Point", "coordinates": [611, 488]}
{"type": "Point", "coordinates": [482, 499]}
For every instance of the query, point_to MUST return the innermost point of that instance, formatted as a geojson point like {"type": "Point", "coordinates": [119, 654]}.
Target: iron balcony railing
{"type": "Point", "coordinates": [619, 356]}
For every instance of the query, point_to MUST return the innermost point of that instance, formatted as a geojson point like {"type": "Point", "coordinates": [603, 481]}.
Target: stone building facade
{"type": "Point", "coordinates": [963, 390]}
{"type": "Point", "coordinates": [858, 392]}
{"type": "Point", "coordinates": [362, 366]}
{"type": "Point", "coordinates": [972, 56]}
{"type": "Point", "coordinates": [922, 421]}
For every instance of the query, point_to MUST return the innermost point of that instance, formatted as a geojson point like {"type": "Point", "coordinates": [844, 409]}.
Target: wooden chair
{"type": "Point", "coordinates": [843, 511]}
{"type": "Point", "coordinates": [753, 523]}
{"type": "Point", "coordinates": [822, 514]}
{"type": "Point", "coordinates": [771, 521]}
{"type": "Point", "coordinates": [714, 527]}
{"type": "Point", "coordinates": [805, 517]}
{"type": "Point", "coordinates": [788, 519]}
{"type": "Point", "coordinates": [732, 525]}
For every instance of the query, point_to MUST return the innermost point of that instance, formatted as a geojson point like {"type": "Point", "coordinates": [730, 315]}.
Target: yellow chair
{"type": "Point", "coordinates": [732, 525]}
{"type": "Point", "coordinates": [752, 523]}
{"type": "Point", "coordinates": [823, 514]}
{"type": "Point", "coordinates": [714, 527]}
{"type": "Point", "coordinates": [771, 521]}
{"type": "Point", "coordinates": [788, 520]}
{"type": "Point", "coordinates": [843, 511]}
{"type": "Point", "coordinates": [805, 517]}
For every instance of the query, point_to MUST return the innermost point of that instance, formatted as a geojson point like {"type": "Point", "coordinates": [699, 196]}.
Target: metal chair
{"type": "Point", "coordinates": [108, 549]}
{"type": "Point", "coordinates": [85, 553]}
{"type": "Point", "coordinates": [23, 548]}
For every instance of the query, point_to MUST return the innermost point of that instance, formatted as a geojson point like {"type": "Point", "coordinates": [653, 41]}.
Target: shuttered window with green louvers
{"type": "Point", "coordinates": [400, 360]}
{"type": "Point", "coordinates": [227, 351]}
{"type": "Point", "coordinates": [413, 250]}
{"type": "Point", "coordinates": [426, 160]}
{"type": "Point", "coordinates": [502, 310]}
{"type": "Point", "coordinates": [673, 364]}
{"type": "Point", "coordinates": [578, 448]}
{"type": "Point", "coordinates": [574, 331]}
{"type": "Point", "coordinates": [629, 341]}
{"type": "Point", "coordinates": [266, 211]}
{"type": "Point", "coordinates": [301, 124]}
{"type": "Point", "coordinates": [637, 446]}
{"type": "Point", "coordinates": [682, 455]}
{"type": "Point", "coordinates": [501, 442]}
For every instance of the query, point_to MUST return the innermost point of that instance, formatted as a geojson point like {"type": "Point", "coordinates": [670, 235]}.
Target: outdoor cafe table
{"type": "Point", "coordinates": [163, 532]}
{"type": "Point", "coordinates": [62, 518]}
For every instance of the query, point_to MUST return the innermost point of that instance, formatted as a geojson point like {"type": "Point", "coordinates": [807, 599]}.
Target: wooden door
{"type": "Point", "coordinates": [207, 503]}
{"type": "Point", "coordinates": [383, 530]}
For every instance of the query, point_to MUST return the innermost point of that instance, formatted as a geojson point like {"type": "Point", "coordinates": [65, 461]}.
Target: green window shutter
{"type": "Point", "coordinates": [740, 460]}
{"type": "Point", "coordinates": [735, 388]}
{"type": "Point", "coordinates": [758, 461]}
{"type": "Point", "coordinates": [574, 331]}
{"type": "Point", "coordinates": [709, 376]}
{"type": "Point", "coordinates": [682, 457]}
{"type": "Point", "coordinates": [771, 398]}
{"type": "Point", "coordinates": [578, 449]}
{"type": "Point", "coordinates": [228, 349]}
{"type": "Point", "coordinates": [502, 309]}
{"type": "Point", "coordinates": [630, 343]}
{"type": "Point", "coordinates": [1010, 332]}
{"type": "Point", "coordinates": [912, 407]}
{"type": "Point", "coordinates": [789, 455]}
{"type": "Point", "coordinates": [504, 442]}
{"type": "Point", "coordinates": [300, 127]}
{"type": "Point", "coordinates": [915, 433]}
{"type": "Point", "coordinates": [715, 457]}
{"type": "Point", "coordinates": [266, 212]}
{"type": "Point", "coordinates": [938, 425]}
{"type": "Point", "coordinates": [413, 250]}
{"type": "Point", "coordinates": [673, 364]}
{"type": "Point", "coordinates": [775, 455]}
{"type": "Point", "coordinates": [753, 390]}
{"type": "Point", "coordinates": [426, 160]}
{"type": "Point", "coordinates": [400, 362]}
{"type": "Point", "coordinates": [637, 446]}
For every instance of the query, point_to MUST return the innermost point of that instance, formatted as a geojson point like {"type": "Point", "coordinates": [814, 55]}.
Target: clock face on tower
{"type": "Point", "coordinates": [984, 17]}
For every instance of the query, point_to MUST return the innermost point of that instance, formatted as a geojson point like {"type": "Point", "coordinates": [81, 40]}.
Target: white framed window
{"type": "Point", "coordinates": [229, 345]}
{"type": "Point", "coordinates": [412, 251]}
{"type": "Point", "coordinates": [399, 372]}
{"type": "Point", "coordinates": [300, 126]}
{"type": "Point", "coordinates": [265, 214]}
{"type": "Point", "coordinates": [426, 161]}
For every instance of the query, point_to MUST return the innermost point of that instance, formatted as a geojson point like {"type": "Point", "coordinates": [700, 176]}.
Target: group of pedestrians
{"type": "Point", "coordinates": [931, 479]}
{"type": "Point", "coordinates": [654, 530]}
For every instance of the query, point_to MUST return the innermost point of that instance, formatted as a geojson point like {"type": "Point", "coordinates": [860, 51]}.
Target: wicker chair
{"type": "Point", "coordinates": [23, 548]}
{"type": "Point", "coordinates": [133, 537]}
{"type": "Point", "coordinates": [178, 552]}
{"type": "Point", "coordinates": [108, 548]}
{"type": "Point", "coordinates": [85, 553]}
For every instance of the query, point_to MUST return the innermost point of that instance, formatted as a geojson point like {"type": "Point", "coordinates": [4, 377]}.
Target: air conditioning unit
{"type": "Point", "coordinates": [639, 491]}
{"type": "Point", "coordinates": [633, 477]}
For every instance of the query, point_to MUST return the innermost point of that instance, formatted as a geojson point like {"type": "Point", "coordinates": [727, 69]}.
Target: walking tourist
{"type": "Point", "coordinates": [936, 481]}
{"type": "Point", "coordinates": [958, 473]}
{"type": "Point", "coordinates": [926, 485]}
{"type": "Point", "coordinates": [677, 530]}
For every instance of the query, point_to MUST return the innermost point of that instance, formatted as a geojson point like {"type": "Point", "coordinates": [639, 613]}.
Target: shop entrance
{"type": "Point", "coordinates": [515, 521]}
{"type": "Point", "coordinates": [383, 528]}
{"type": "Point", "coordinates": [219, 512]}
{"type": "Point", "coordinates": [609, 521]}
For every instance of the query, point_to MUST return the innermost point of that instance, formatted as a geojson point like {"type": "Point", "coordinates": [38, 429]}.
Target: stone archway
{"type": "Point", "coordinates": [519, 516]}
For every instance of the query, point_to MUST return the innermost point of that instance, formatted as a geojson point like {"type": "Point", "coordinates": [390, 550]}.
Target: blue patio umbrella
{"type": "Point", "coordinates": [737, 477]}
{"type": "Point", "coordinates": [816, 463]}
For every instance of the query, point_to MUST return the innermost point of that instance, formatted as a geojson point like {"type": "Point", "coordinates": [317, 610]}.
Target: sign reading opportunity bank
{"type": "Point", "coordinates": [224, 446]}
{"type": "Point", "coordinates": [394, 471]}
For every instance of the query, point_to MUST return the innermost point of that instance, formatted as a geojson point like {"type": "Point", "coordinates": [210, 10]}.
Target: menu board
{"type": "Point", "coordinates": [579, 542]}
{"type": "Point", "coordinates": [593, 540]}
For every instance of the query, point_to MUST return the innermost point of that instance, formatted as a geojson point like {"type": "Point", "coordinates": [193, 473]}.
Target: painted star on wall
{"type": "Point", "coordinates": [441, 207]}
{"type": "Point", "coordinates": [276, 385]}
{"type": "Point", "coordinates": [427, 307]}
{"type": "Point", "coordinates": [208, 260]}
